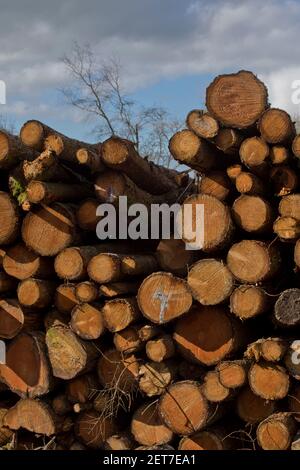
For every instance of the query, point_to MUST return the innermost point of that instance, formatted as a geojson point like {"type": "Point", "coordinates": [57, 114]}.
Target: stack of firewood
{"type": "Point", "coordinates": [143, 344]}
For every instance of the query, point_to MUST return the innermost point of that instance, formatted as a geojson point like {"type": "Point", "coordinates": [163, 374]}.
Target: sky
{"type": "Point", "coordinates": [170, 50]}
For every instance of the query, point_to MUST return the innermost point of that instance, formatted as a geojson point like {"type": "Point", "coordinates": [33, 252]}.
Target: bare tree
{"type": "Point", "coordinates": [96, 89]}
{"type": "Point", "coordinates": [7, 124]}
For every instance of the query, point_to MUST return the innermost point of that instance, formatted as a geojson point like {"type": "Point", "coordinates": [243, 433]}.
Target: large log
{"type": "Point", "coordinates": [276, 126]}
{"type": "Point", "coordinates": [253, 214]}
{"type": "Point", "coordinates": [120, 154]}
{"type": "Point", "coordinates": [237, 100]}
{"type": "Point", "coordinates": [276, 432]}
{"type": "Point", "coordinates": [22, 263]}
{"type": "Point", "coordinates": [248, 301]}
{"type": "Point", "coordinates": [269, 381]}
{"type": "Point", "coordinates": [163, 297]}
{"type": "Point", "coordinates": [12, 151]}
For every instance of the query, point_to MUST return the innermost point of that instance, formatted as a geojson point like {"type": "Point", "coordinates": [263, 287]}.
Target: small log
{"type": "Point", "coordinates": [207, 349]}
{"type": "Point", "coordinates": [289, 206]}
{"type": "Point", "coordinates": [87, 321]}
{"type": "Point", "coordinates": [39, 192]}
{"type": "Point", "coordinates": [212, 388]}
{"type": "Point", "coordinates": [276, 432]}
{"type": "Point", "coordinates": [210, 281]}
{"type": "Point", "coordinates": [86, 216]}
{"type": "Point", "coordinates": [279, 154]}
{"type": "Point", "coordinates": [22, 263]}
{"type": "Point", "coordinates": [254, 152]}
{"type": "Point", "coordinates": [173, 257]}
{"type": "Point", "coordinates": [248, 183]}
{"type": "Point", "coordinates": [276, 126]}
{"type": "Point", "coordinates": [119, 442]}
{"type": "Point", "coordinates": [269, 349]}
{"type": "Point", "coordinates": [233, 171]}
{"type": "Point", "coordinates": [202, 124]}
{"type": "Point", "coordinates": [215, 183]}
{"type": "Point", "coordinates": [27, 370]}
{"type": "Point", "coordinates": [69, 355]}
{"type": "Point", "coordinates": [65, 298]}
{"type": "Point", "coordinates": [212, 439]}
{"type": "Point", "coordinates": [93, 429]}
{"type": "Point", "coordinates": [118, 372]}
{"type": "Point", "coordinates": [229, 141]}
{"type": "Point", "coordinates": [252, 261]}
{"type": "Point", "coordinates": [120, 154]}
{"type": "Point", "coordinates": [218, 227]}
{"type": "Point", "coordinates": [120, 313]}
{"type": "Point", "coordinates": [252, 408]}
{"type": "Point", "coordinates": [12, 151]}
{"type": "Point", "coordinates": [148, 331]}
{"type": "Point", "coordinates": [286, 310]}
{"type": "Point", "coordinates": [11, 318]}
{"type": "Point", "coordinates": [184, 409]}
{"type": "Point", "coordinates": [33, 415]}
{"type": "Point", "coordinates": [248, 301]}
{"type": "Point", "coordinates": [10, 219]}
{"type": "Point", "coordinates": [155, 377]}
{"type": "Point", "coordinates": [90, 158]}
{"type": "Point", "coordinates": [253, 214]}
{"type": "Point", "coordinates": [160, 349]}
{"type": "Point", "coordinates": [116, 289]}
{"type": "Point", "coordinates": [56, 223]}
{"type": "Point", "coordinates": [45, 167]}
{"type": "Point", "coordinates": [82, 389]}
{"type": "Point", "coordinates": [268, 380]}
{"type": "Point", "coordinates": [232, 374]}
{"type": "Point", "coordinates": [189, 149]}
{"type": "Point", "coordinates": [148, 428]}
{"type": "Point", "coordinates": [86, 291]}
{"type": "Point", "coordinates": [128, 340]}
{"type": "Point", "coordinates": [36, 293]}
{"type": "Point", "coordinates": [163, 297]}
{"type": "Point", "coordinates": [287, 229]}
{"type": "Point", "coordinates": [284, 180]}
{"type": "Point", "coordinates": [237, 100]}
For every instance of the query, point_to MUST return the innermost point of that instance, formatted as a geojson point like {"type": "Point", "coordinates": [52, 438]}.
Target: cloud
{"type": "Point", "coordinates": [154, 39]}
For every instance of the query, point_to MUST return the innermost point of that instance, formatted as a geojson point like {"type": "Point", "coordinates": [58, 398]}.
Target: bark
{"type": "Point", "coordinates": [163, 297]}
{"type": "Point", "coordinates": [39, 192]}
{"type": "Point", "coordinates": [237, 100]}
{"type": "Point", "coordinates": [7, 283]}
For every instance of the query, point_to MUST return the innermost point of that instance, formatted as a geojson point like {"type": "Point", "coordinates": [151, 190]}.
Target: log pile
{"type": "Point", "coordinates": [144, 344]}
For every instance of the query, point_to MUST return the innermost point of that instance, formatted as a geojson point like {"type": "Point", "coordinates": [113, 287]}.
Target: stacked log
{"type": "Point", "coordinates": [148, 344]}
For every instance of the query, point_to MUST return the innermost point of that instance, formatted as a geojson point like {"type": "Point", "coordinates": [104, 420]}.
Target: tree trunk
{"type": "Point", "coordinates": [276, 432]}
{"type": "Point", "coordinates": [12, 151]}
{"type": "Point", "coordinates": [269, 381]}
{"type": "Point", "coordinates": [218, 226]}
{"type": "Point", "coordinates": [116, 289]}
{"type": "Point", "coordinates": [252, 261]}
{"type": "Point", "coordinates": [10, 219]}
{"type": "Point", "coordinates": [120, 154]}
{"type": "Point", "coordinates": [237, 100]}
{"type": "Point", "coordinates": [120, 313]}
{"type": "Point", "coordinates": [253, 214]}
{"type": "Point", "coordinates": [173, 257]}
{"type": "Point", "coordinates": [148, 428]}
{"type": "Point", "coordinates": [215, 183]}
{"type": "Point", "coordinates": [189, 149]}
{"type": "Point", "coordinates": [155, 377]}
{"type": "Point", "coordinates": [21, 263]}
{"type": "Point", "coordinates": [65, 298]}
{"type": "Point", "coordinates": [248, 301]}
{"type": "Point", "coordinates": [210, 281]}
{"type": "Point", "coordinates": [163, 297]}
{"type": "Point", "coordinates": [184, 409]}
{"type": "Point", "coordinates": [160, 349]}
{"type": "Point", "coordinates": [86, 291]}
{"type": "Point", "coordinates": [202, 124]}
{"type": "Point", "coordinates": [276, 126]}
{"type": "Point", "coordinates": [286, 310]}
{"type": "Point", "coordinates": [39, 192]}
{"type": "Point", "coordinates": [56, 223]}
{"type": "Point", "coordinates": [27, 370]}
{"type": "Point", "coordinates": [68, 354]}
{"type": "Point", "coordinates": [251, 408]}
{"type": "Point", "coordinates": [87, 321]}
{"type": "Point", "coordinates": [284, 180]}
{"type": "Point", "coordinates": [35, 293]}
{"type": "Point", "coordinates": [205, 348]}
